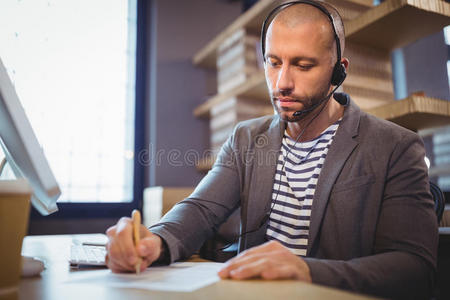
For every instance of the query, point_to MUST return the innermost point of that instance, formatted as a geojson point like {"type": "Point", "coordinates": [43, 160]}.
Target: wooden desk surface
{"type": "Point", "coordinates": [55, 250]}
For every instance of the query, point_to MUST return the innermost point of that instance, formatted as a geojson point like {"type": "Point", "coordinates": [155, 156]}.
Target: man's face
{"type": "Point", "coordinates": [298, 68]}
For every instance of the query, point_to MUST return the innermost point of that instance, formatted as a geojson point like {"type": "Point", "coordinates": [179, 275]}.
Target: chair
{"type": "Point", "coordinates": [223, 245]}
{"type": "Point", "coordinates": [439, 200]}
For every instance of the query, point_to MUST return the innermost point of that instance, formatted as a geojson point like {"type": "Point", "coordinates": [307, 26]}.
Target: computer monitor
{"type": "Point", "coordinates": [22, 149]}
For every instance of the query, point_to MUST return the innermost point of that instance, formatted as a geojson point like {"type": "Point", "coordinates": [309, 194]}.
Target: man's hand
{"type": "Point", "coordinates": [268, 261]}
{"type": "Point", "coordinates": [122, 255]}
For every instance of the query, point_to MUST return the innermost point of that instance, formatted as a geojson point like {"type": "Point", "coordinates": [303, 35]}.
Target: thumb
{"type": "Point", "coordinates": [150, 247]}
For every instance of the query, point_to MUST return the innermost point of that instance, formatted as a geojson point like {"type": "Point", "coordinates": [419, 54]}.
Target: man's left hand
{"type": "Point", "coordinates": [268, 261]}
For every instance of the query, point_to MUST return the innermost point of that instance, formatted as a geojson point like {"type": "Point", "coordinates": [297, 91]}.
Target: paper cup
{"type": "Point", "coordinates": [14, 214]}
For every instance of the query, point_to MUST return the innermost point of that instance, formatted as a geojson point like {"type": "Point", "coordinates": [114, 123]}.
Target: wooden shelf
{"type": "Point", "coordinates": [254, 88]}
{"type": "Point", "coordinates": [252, 21]}
{"type": "Point", "coordinates": [368, 83]}
{"type": "Point", "coordinates": [442, 170]}
{"type": "Point", "coordinates": [396, 23]}
{"type": "Point", "coordinates": [415, 112]}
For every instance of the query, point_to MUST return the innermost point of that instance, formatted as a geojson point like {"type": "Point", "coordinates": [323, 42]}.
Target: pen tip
{"type": "Point", "coordinates": [138, 267]}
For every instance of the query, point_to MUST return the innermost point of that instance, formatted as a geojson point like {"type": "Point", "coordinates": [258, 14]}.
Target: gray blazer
{"type": "Point", "coordinates": [373, 228]}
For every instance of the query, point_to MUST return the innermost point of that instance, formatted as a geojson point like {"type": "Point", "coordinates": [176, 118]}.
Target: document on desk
{"type": "Point", "coordinates": [178, 277]}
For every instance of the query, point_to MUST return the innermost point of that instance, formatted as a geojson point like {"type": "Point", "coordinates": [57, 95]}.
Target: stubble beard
{"type": "Point", "coordinates": [287, 114]}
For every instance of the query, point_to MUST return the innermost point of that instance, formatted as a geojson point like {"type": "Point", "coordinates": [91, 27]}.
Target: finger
{"type": "Point", "coordinates": [122, 250]}
{"type": "Point", "coordinates": [120, 266]}
{"type": "Point", "coordinates": [112, 251]}
{"type": "Point", "coordinates": [144, 232]}
{"type": "Point", "coordinates": [264, 248]}
{"type": "Point", "coordinates": [117, 261]}
{"type": "Point", "coordinates": [288, 269]}
{"type": "Point", "coordinates": [238, 262]}
{"type": "Point", "coordinates": [111, 231]}
{"type": "Point", "coordinates": [124, 241]}
{"type": "Point", "coordinates": [282, 272]}
{"type": "Point", "coordinates": [261, 249]}
{"type": "Point", "coordinates": [247, 254]}
{"type": "Point", "coordinates": [146, 262]}
{"type": "Point", "coordinates": [113, 259]}
{"type": "Point", "coordinates": [277, 265]}
{"type": "Point", "coordinates": [251, 269]}
{"type": "Point", "coordinates": [117, 268]}
{"type": "Point", "coordinates": [113, 265]}
{"type": "Point", "coordinates": [150, 248]}
{"type": "Point", "coordinates": [270, 249]}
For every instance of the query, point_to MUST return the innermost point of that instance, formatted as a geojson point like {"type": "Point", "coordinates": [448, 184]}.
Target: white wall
{"type": "Point", "coordinates": [182, 28]}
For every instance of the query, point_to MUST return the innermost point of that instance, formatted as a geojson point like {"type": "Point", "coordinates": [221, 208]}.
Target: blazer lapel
{"type": "Point", "coordinates": [267, 147]}
{"type": "Point", "coordinates": [343, 145]}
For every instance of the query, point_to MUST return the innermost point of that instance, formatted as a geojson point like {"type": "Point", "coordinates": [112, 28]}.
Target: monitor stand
{"type": "Point", "coordinates": [2, 165]}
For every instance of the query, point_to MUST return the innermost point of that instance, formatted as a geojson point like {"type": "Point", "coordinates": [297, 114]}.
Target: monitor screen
{"type": "Point", "coordinates": [22, 149]}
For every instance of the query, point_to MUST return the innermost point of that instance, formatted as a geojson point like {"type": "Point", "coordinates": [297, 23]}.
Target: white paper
{"type": "Point", "coordinates": [178, 277]}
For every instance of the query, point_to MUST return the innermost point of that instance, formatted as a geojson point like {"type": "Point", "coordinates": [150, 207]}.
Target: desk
{"type": "Point", "coordinates": [54, 250]}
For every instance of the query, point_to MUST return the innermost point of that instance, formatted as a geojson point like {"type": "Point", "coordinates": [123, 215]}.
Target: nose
{"type": "Point", "coordinates": [285, 82]}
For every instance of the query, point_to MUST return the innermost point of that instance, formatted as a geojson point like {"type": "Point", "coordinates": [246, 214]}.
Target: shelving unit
{"type": "Point", "coordinates": [396, 23]}
{"type": "Point", "coordinates": [250, 20]}
{"type": "Point", "coordinates": [371, 34]}
{"type": "Point", "coordinates": [415, 112]}
{"type": "Point", "coordinates": [255, 87]}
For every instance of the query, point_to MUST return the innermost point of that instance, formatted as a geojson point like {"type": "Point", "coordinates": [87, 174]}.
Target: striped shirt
{"type": "Point", "coordinates": [294, 187]}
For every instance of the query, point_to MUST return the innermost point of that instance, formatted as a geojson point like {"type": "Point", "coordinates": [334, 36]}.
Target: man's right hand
{"type": "Point", "coordinates": [122, 255]}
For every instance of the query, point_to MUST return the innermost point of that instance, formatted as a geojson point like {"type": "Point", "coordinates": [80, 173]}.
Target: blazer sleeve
{"type": "Point", "coordinates": [193, 220]}
{"type": "Point", "coordinates": [403, 263]}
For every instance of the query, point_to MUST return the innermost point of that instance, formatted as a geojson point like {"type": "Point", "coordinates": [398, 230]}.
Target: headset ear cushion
{"type": "Point", "coordinates": [339, 74]}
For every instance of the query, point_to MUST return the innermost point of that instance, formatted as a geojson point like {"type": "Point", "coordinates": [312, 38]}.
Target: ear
{"type": "Point", "coordinates": [345, 62]}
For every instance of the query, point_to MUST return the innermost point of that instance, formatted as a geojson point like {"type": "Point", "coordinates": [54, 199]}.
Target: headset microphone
{"type": "Point", "coordinates": [299, 113]}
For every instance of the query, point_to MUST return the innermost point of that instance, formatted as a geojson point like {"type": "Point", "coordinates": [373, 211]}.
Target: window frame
{"type": "Point", "coordinates": [86, 210]}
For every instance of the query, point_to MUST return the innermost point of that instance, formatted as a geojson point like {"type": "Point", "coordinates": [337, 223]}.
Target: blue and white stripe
{"type": "Point", "coordinates": [294, 188]}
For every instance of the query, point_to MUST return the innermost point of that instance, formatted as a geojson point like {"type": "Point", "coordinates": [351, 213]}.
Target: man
{"type": "Point", "coordinates": [328, 194]}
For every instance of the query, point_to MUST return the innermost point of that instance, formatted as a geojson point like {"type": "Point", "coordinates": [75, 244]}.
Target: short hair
{"type": "Point", "coordinates": [303, 12]}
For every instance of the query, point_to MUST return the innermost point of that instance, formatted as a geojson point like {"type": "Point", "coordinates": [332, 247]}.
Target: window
{"type": "Point", "coordinates": [437, 142]}
{"type": "Point", "coordinates": [447, 41]}
{"type": "Point", "coordinates": [73, 66]}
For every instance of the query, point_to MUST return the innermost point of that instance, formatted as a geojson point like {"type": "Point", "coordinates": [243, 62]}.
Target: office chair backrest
{"type": "Point", "coordinates": [439, 200]}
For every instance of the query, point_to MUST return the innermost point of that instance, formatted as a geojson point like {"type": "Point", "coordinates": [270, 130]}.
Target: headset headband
{"type": "Point", "coordinates": [279, 8]}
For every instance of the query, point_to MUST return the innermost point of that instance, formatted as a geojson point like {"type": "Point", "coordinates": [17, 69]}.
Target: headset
{"type": "Point", "coordinates": [339, 73]}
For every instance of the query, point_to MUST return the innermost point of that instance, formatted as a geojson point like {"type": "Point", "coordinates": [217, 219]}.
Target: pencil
{"type": "Point", "coordinates": [136, 217]}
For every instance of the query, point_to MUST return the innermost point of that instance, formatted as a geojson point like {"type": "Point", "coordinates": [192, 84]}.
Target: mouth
{"type": "Point", "coordinates": [286, 102]}
{"type": "Point", "coordinates": [286, 99]}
